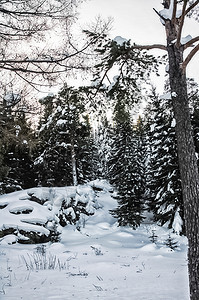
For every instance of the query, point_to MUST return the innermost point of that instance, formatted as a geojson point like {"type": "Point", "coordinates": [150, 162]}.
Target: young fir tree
{"type": "Point", "coordinates": [126, 169]}
{"type": "Point", "coordinates": [165, 184]}
{"type": "Point", "coordinates": [65, 141]}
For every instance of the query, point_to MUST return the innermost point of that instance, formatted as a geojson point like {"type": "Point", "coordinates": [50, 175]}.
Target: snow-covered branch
{"type": "Point", "coordinates": [159, 14]}
{"type": "Point", "coordinates": [191, 42]}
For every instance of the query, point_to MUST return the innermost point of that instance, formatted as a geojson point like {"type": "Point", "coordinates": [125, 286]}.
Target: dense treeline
{"type": "Point", "coordinates": [138, 156]}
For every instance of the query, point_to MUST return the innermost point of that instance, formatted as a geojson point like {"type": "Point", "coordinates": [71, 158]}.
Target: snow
{"type": "Point", "coordinates": [173, 123]}
{"type": "Point", "coordinates": [167, 68]}
{"type": "Point", "coordinates": [120, 40]}
{"type": "Point", "coordinates": [152, 127]}
{"type": "Point", "coordinates": [100, 184]}
{"type": "Point", "coordinates": [12, 98]}
{"type": "Point", "coordinates": [61, 122]}
{"type": "Point", "coordinates": [99, 261]}
{"type": "Point", "coordinates": [186, 39]}
{"type": "Point", "coordinates": [174, 94]}
{"type": "Point", "coordinates": [177, 224]}
{"type": "Point", "coordinates": [115, 78]}
{"type": "Point", "coordinates": [39, 160]}
{"type": "Point", "coordinates": [10, 219]}
{"type": "Point", "coordinates": [64, 145]}
{"type": "Point", "coordinates": [166, 96]}
{"type": "Point", "coordinates": [167, 13]}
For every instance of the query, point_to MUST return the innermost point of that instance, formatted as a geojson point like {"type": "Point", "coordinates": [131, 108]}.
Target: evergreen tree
{"type": "Point", "coordinates": [65, 141]}
{"type": "Point", "coordinates": [165, 184]}
{"type": "Point", "coordinates": [193, 89]}
{"type": "Point", "coordinates": [17, 144]}
{"type": "Point", "coordinates": [126, 169]}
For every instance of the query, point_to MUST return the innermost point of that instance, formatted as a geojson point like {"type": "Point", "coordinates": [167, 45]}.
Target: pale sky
{"type": "Point", "coordinates": [136, 20]}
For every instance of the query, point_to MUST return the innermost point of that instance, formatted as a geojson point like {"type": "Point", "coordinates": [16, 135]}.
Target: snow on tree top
{"type": "Point", "coordinates": [120, 40]}
{"type": "Point", "coordinates": [12, 98]}
{"type": "Point", "coordinates": [167, 13]}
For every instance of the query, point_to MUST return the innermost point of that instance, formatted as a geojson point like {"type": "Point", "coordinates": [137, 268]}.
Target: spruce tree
{"type": "Point", "coordinates": [165, 184]}
{"type": "Point", "coordinates": [65, 141]}
{"type": "Point", "coordinates": [17, 143]}
{"type": "Point", "coordinates": [126, 169]}
{"type": "Point", "coordinates": [103, 139]}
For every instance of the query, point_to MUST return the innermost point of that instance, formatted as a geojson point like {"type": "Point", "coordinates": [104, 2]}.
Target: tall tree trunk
{"type": "Point", "coordinates": [186, 154]}
{"type": "Point", "coordinates": [73, 160]}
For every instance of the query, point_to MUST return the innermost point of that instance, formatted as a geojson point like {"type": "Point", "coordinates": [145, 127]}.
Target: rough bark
{"type": "Point", "coordinates": [186, 153]}
{"type": "Point", "coordinates": [188, 171]}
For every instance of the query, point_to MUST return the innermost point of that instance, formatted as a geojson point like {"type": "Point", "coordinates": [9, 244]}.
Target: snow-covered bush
{"type": "Point", "coordinates": [81, 201]}
{"type": "Point", "coordinates": [8, 186]}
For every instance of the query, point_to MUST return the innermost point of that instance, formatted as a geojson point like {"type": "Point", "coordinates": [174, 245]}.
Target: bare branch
{"type": "Point", "coordinates": [181, 24]}
{"type": "Point", "coordinates": [21, 64]}
{"type": "Point", "coordinates": [174, 11]}
{"type": "Point", "coordinates": [191, 42]}
{"type": "Point", "coordinates": [164, 19]}
{"type": "Point", "coordinates": [190, 56]}
{"type": "Point", "coordinates": [34, 11]}
{"type": "Point", "coordinates": [149, 47]}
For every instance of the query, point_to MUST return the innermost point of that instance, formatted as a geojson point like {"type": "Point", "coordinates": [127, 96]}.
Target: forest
{"type": "Point", "coordinates": [54, 134]}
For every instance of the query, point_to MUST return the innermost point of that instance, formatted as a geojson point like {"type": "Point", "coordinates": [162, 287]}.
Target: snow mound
{"type": "Point", "coordinates": [99, 261]}
{"type": "Point", "coordinates": [101, 185]}
{"type": "Point", "coordinates": [148, 248]}
{"type": "Point", "coordinates": [35, 215]}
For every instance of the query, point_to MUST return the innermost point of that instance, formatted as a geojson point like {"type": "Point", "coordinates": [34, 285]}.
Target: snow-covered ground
{"type": "Point", "coordinates": [101, 261]}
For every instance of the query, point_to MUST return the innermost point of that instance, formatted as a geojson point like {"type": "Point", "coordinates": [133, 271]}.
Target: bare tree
{"type": "Point", "coordinates": [34, 40]}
